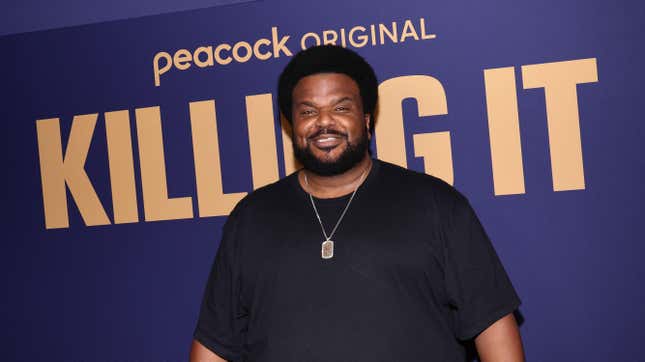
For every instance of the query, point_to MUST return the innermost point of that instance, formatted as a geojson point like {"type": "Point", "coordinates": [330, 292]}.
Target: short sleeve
{"type": "Point", "coordinates": [479, 290]}
{"type": "Point", "coordinates": [222, 321]}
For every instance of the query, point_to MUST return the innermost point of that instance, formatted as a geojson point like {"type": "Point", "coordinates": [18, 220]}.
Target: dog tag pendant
{"type": "Point", "coordinates": [327, 250]}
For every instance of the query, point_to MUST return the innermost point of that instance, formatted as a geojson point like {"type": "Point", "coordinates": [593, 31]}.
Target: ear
{"type": "Point", "coordinates": [367, 117]}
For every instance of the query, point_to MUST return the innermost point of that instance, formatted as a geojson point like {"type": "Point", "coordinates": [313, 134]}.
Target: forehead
{"type": "Point", "coordinates": [325, 85]}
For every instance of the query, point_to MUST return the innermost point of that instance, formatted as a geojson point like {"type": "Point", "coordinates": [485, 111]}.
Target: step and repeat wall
{"type": "Point", "coordinates": [127, 144]}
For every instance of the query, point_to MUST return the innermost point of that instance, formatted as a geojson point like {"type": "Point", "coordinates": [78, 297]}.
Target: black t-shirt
{"type": "Point", "coordinates": [413, 274]}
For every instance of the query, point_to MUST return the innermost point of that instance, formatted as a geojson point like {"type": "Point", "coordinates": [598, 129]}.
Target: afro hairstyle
{"type": "Point", "coordinates": [328, 59]}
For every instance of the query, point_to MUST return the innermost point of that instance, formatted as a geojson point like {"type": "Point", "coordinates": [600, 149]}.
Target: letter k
{"type": "Point", "coordinates": [281, 45]}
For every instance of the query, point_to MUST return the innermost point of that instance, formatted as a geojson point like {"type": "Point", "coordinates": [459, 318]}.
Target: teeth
{"type": "Point", "coordinates": [326, 140]}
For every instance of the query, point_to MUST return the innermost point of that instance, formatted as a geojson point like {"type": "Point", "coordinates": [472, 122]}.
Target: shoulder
{"type": "Point", "coordinates": [419, 185]}
{"type": "Point", "coordinates": [267, 196]}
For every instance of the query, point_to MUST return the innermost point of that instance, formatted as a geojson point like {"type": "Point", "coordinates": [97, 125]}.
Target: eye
{"type": "Point", "coordinates": [342, 108]}
{"type": "Point", "coordinates": [307, 112]}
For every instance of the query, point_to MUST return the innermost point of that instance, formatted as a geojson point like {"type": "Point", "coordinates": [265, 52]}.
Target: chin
{"type": "Point", "coordinates": [334, 161]}
{"type": "Point", "coordinates": [329, 156]}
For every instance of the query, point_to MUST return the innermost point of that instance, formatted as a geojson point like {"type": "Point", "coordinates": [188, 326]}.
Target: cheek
{"type": "Point", "coordinates": [300, 132]}
{"type": "Point", "coordinates": [355, 127]}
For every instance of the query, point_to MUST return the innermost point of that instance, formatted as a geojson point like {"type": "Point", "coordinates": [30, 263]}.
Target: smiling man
{"type": "Point", "coordinates": [352, 258]}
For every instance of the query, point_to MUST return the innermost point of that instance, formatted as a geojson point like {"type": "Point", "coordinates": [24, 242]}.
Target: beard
{"type": "Point", "coordinates": [350, 157]}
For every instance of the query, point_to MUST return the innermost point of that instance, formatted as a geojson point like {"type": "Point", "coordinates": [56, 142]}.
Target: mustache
{"type": "Point", "coordinates": [326, 131]}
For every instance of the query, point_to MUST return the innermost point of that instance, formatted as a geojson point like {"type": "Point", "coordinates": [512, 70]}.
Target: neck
{"type": "Point", "coordinates": [325, 187]}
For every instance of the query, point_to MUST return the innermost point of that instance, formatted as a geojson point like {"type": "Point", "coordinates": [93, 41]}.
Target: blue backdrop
{"type": "Point", "coordinates": [131, 291]}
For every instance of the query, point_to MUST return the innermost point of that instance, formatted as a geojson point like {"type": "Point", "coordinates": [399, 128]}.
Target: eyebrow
{"type": "Point", "coordinates": [309, 104]}
{"type": "Point", "coordinates": [344, 99]}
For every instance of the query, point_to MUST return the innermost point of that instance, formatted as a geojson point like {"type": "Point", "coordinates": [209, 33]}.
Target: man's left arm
{"type": "Point", "coordinates": [500, 342]}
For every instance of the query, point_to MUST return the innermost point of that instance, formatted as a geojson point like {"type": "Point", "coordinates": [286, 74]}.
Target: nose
{"type": "Point", "coordinates": [325, 119]}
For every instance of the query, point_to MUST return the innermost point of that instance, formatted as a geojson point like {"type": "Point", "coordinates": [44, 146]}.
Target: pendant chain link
{"type": "Point", "coordinates": [313, 204]}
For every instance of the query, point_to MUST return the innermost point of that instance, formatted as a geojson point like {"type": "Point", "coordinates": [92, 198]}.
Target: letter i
{"type": "Point", "coordinates": [120, 157]}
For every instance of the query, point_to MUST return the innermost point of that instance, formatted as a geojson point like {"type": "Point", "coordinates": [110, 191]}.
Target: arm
{"type": "Point", "coordinates": [199, 353]}
{"type": "Point", "coordinates": [500, 342]}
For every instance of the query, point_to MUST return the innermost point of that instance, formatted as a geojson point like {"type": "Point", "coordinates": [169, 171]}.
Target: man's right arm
{"type": "Point", "coordinates": [199, 353]}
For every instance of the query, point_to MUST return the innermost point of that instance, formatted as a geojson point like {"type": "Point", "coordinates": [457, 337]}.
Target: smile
{"type": "Point", "coordinates": [327, 141]}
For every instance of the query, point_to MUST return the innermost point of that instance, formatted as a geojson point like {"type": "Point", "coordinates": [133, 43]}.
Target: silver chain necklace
{"type": "Point", "coordinates": [327, 247]}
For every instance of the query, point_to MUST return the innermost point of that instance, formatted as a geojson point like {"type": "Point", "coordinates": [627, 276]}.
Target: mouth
{"type": "Point", "coordinates": [327, 141]}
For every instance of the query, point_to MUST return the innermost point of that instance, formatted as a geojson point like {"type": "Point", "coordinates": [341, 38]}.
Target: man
{"type": "Point", "coordinates": [352, 258]}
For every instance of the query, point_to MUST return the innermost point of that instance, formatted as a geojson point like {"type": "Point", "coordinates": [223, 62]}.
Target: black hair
{"type": "Point", "coordinates": [328, 59]}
